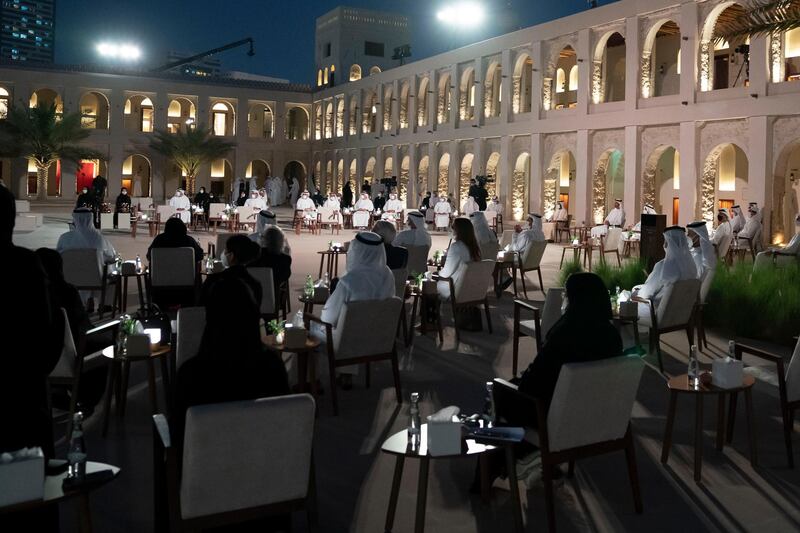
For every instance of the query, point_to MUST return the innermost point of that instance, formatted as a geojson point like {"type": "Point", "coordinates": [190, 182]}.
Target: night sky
{"type": "Point", "coordinates": [283, 30]}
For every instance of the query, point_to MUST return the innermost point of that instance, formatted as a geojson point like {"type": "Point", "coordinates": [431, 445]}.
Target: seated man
{"type": "Point", "coordinates": [723, 234]}
{"type": "Point", "coordinates": [416, 234]}
{"type": "Point", "coordinates": [521, 241]}
{"type": "Point", "coordinates": [495, 205]}
{"type": "Point", "coordinates": [239, 252]}
{"type": "Point", "coordinates": [442, 212]}
{"type": "Point", "coordinates": [332, 202]}
{"type": "Point", "coordinates": [263, 220]}
{"type": "Point", "coordinates": [396, 257]}
{"type": "Point", "coordinates": [648, 209]}
{"type": "Point", "coordinates": [392, 209]}
{"type": "Point", "coordinates": [615, 218]}
{"type": "Point", "coordinates": [306, 205]}
{"type": "Point", "coordinates": [181, 203]}
{"type": "Point", "coordinates": [751, 233]}
{"type": "Point", "coordinates": [469, 206]}
{"type": "Point", "coordinates": [275, 254]}
{"type": "Point", "coordinates": [362, 211]}
{"type": "Point", "coordinates": [367, 278]}
{"type": "Point", "coordinates": [780, 256]}
{"type": "Point", "coordinates": [256, 202]}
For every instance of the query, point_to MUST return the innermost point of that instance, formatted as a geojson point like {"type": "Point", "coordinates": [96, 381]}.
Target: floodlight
{"type": "Point", "coordinates": [462, 14]}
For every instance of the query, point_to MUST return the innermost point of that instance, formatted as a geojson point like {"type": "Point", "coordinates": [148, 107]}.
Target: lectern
{"type": "Point", "coordinates": [652, 243]}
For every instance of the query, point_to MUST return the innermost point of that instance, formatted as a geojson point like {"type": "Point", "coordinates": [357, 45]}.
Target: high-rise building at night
{"type": "Point", "coordinates": [27, 30]}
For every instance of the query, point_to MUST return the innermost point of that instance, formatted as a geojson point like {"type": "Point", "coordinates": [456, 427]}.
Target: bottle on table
{"type": "Point", "coordinates": [694, 368]}
{"type": "Point", "coordinates": [326, 281]}
{"type": "Point", "coordinates": [414, 424]}
{"type": "Point", "coordinates": [209, 264]}
{"type": "Point", "coordinates": [732, 349]}
{"type": "Point", "coordinates": [76, 453]}
{"type": "Point", "coordinates": [308, 290]}
{"type": "Point", "coordinates": [489, 412]}
{"type": "Point", "coordinates": [138, 264]}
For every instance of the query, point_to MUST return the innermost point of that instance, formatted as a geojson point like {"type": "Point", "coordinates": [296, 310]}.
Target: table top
{"type": "Point", "coordinates": [397, 444]}
{"type": "Point", "coordinates": [269, 341]}
{"type": "Point", "coordinates": [680, 383]}
{"type": "Point", "coordinates": [335, 251]}
{"type": "Point", "coordinates": [53, 491]}
{"type": "Point", "coordinates": [156, 350]}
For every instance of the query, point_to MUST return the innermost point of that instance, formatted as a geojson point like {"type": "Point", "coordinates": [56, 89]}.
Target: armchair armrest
{"type": "Point", "coordinates": [162, 430]}
{"type": "Point", "coordinates": [512, 392]}
{"type": "Point", "coordinates": [110, 325]}
{"type": "Point", "coordinates": [526, 305]}
{"type": "Point", "coordinates": [752, 350]}
{"type": "Point", "coordinates": [537, 317]}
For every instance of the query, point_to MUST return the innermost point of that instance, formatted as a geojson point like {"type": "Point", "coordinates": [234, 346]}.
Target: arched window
{"type": "Point", "coordinates": [222, 119]}
{"type": "Point", "coordinates": [560, 80]}
{"type": "Point", "coordinates": [355, 72]}
{"type": "Point", "coordinates": [573, 78]}
{"type": "Point", "coordinates": [319, 78]}
{"type": "Point", "coordinates": [374, 70]}
{"type": "Point", "coordinates": [325, 76]}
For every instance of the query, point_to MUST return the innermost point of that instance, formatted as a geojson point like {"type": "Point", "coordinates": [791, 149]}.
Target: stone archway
{"type": "Point", "coordinates": [661, 168]}
{"type": "Point", "coordinates": [725, 175]}
{"type": "Point", "coordinates": [607, 183]}
{"type": "Point", "coordinates": [785, 193]}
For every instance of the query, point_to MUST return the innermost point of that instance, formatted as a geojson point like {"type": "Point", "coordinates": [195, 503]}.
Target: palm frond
{"type": "Point", "coordinates": [763, 18]}
{"type": "Point", "coordinates": [190, 149]}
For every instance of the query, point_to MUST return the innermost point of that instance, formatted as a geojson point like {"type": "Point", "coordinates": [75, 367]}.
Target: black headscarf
{"type": "Point", "coordinates": [8, 215]}
{"type": "Point", "coordinates": [588, 300]}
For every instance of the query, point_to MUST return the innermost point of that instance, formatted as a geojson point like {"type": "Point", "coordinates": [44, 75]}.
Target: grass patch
{"type": "Point", "coordinates": [569, 268]}
{"type": "Point", "coordinates": [630, 274]}
{"type": "Point", "coordinates": [761, 305]}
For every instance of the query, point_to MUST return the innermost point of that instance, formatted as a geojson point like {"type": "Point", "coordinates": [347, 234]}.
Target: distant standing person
{"type": "Point", "coordinates": [99, 185]}
{"type": "Point", "coordinates": [347, 195]}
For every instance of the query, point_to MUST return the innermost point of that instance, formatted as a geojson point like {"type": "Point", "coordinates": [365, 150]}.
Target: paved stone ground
{"type": "Point", "coordinates": [354, 477]}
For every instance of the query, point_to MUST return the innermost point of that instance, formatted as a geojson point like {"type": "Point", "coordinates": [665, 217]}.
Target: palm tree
{"type": "Point", "coordinates": [764, 17]}
{"type": "Point", "coordinates": [40, 135]}
{"type": "Point", "coordinates": [190, 149]}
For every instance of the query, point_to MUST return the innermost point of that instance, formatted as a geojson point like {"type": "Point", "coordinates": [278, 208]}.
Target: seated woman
{"type": "Point", "coordinates": [463, 249]}
{"type": "Point", "coordinates": [274, 255]}
{"type": "Point", "coordinates": [583, 333]}
{"type": "Point", "coordinates": [232, 363]}
{"type": "Point", "coordinates": [176, 236]}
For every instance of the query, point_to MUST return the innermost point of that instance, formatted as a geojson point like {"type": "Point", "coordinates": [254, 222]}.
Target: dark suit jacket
{"type": "Point", "coordinates": [396, 256]}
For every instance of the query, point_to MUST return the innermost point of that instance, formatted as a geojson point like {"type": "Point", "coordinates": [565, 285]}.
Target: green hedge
{"type": "Point", "coordinates": [764, 304]}
{"type": "Point", "coordinates": [631, 273]}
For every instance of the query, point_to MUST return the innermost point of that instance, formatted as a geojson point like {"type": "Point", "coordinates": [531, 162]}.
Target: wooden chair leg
{"type": "Point", "coordinates": [396, 375]}
{"type": "Point", "coordinates": [633, 471]}
{"type": "Point", "coordinates": [522, 277]}
{"type": "Point", "coordinates": [488, 315]}
{"type": "Point", "coordinates": [515, 351]}
{"type": "Point", "coordinates": [332, 377]}
{"type": "Point", "coordinates": [549, 503]}
{"type": "Point", "coordinates": [690, 335]}
{"type": "Point", "coordinates": [619, 263]}
{"type": "Point", "coordinates": [657, 343]}
{"type": "Point", "coordinates": [455, 326]}
{"type": "Point", "coordinates": [732, 397]}
{"type": "Point", "coordinates": [541, 284]}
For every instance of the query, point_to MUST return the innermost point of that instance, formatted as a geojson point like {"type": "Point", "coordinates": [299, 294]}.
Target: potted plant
{"type": "Point", "coordinates": [277, 327]}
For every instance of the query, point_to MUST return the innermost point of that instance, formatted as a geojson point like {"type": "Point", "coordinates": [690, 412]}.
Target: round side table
{"type": "Point", "coordinates": [306, 366]}
{"type": "Point", "coordinates": [398, 446]}
{"type": "Point", "coordinates": [680, 385]}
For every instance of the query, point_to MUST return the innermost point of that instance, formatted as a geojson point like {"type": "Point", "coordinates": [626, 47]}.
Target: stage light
{"type": "Point", "coordinates": [462, 14]}
{"type": "Point", "coordinates": [122, 52]}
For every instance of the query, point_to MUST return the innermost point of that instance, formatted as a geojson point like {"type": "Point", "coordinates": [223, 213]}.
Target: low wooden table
{"type": "Point", "coordinates": [139, 275]}
{"type": "Point", "coordinates": [419, 300]}
{"type": "Point", "coordinates": [54, 493]}
{"type": "Point", "coordinates": [329, 259]}
{"type": "Point", "coordinates": [576, 254]}
{"type": "Point", "coordinates": [306, 365]}
{"type": "Point", "coordinates": [398, 446]}
{"type": "Point", "coordinates": [680, 385]}
{"type": "Point", "coordinates": [502, 264]}
{"type": "Point", "coordinates": [119, 370]}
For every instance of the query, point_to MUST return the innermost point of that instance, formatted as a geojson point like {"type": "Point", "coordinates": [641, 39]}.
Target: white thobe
{"type": "Point", "coordinates": [722, 232]}
{"type": "Point", "coordinates": [258, 204]}
{"type": "Point", "coordinates": [469, 206]}
{"type": "Point", "coordinates": [442, 214]}
{"type": "Point", "coordinates": [413, 237]}
{"type": "Point", "coordinates": [561, 214]}
{"type": "Point", "coordinates": [182, 202]}
{"type": "Point", "coordinates": [361, 213]}
{"type": "Point", "coordinates": [333, 204]}
{"type": "Point", "coordinates": [496, 207]}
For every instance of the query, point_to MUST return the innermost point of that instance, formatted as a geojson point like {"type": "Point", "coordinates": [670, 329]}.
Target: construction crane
{"type": "Point", "coordinates": [173, 64]}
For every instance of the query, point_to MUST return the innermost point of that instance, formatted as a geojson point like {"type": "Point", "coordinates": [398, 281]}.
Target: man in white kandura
{"type": "Point", "coordinates": [256, 202]}
{"type": "Point", "coordinates": [332, 201]}
{"type": "Point", "coordinates": [521, 241]}
{"type": "Point", "coordinates": [702, 250]}
{"type": "Point", "coordinates": [306, 205]}
{"type": "Point", "coordinates": [787, 255]}
{"type": "Point", "coordinates": [416, 234]}
{"type": "Point", "coordinates": [181, 202]}
{"type": "Point", "coordinates": [362, 211]}
{"type": "Point", "coordinates": [615, 218]}
{"type": "Point", "coordinates": [677, 265]}
{"type": "Point", "coordinates": [648, 209]}
{"type": "Point", "coordinates": [367, 278]}
{"type": "Point", "coordinates": [560, 213]}
{"type": "Point", "coordinates": [469, 206]}
{"type": "Point", "coordinates": [83, 236]}
{"type": "Point", "coordinates": [751, 232]}
{"type": "Point", "coordinates": [721, 239]}
{"type": "Point", "coordinates": [441, 213]}
{"type": "Point", "coordinates": [495, 205]}
{"type": "Point", "coordinates": [264, 219]}
{"type": "Point", "coordinates": [738, 220]}
{"type": "Point", "coordinates": [392, 209]}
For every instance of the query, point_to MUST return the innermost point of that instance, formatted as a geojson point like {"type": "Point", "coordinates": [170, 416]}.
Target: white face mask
{"type": "Point", "coordinates": [124, 193]}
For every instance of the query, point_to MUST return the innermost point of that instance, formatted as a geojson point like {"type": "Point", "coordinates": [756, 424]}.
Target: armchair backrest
{"type": "Point", "coordinates": [612, 238]}
{"type": "Point", "coordinates": [215, 210]}
{"type": "Point", "coordinates": [67, 362]}
{"type": "Point", "coordinates": [473, 280]}
{"type": "Point", "coordinates": [533, 255]}
{"type": "Point", "coordinates": [489, 250]}
{"type": "Point", "coordinates": [551, 310]}
{"type": "Point", "coordinates": [351, 337]}
{"type": "Point", "coordinates": [328, 215]}
{"type": "Point", "coordinates": [172, 267]}
{"type": "Point", "coordinates": [263, 276]}
{"type": "Point", "coordinates": [418, 258]}
{"type": "Point", "coordinates": [400, 277]}
{"type": "Point", "coordinates": [191, 323]}
{"type": "Point", "coordinates": [793, 375]}
{"type": "Point", "coordinates": [507, 238]}
{"type": "Point", "coordinates": [166, 211]}
{"type": "Point", "coordinates": [677, 303]}
{"type": "Point", "coordinates": [82, 267]}
{"type": "Point", "coordinates": [234, 456]}
{"type": "Point", "coordinates": [592, 402]}
{"type": "Point", "coordinates": [705, 284]}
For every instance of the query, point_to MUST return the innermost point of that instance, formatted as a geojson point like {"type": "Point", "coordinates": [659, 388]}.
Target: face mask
{"type": "Point", "coordinates": [85, 191]}
{"type": "Point", "coordinates": [225, 259]}
{"type": "Point", "coordinates": [564, 305]}
{"type": "Point", "coordinates": [124, 193]}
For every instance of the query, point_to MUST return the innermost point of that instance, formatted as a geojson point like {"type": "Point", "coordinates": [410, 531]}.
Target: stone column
{"type": "Point", "coordinates": [505, 86]}
{"type": "Point", "coordinates": [454, 172]}
{"type": "Point", "coordinates": [413, 166]}
{"type": "Point", "coordinates": [396, 107]}
{"type": "Point", "coordinates": [632, 63]}
{"type": "Point", "coordinates": [480, 91]}
{"type": "Point", "coordinates": [452, 117]}
{"type": "Point", "coordinates": [760, 170]}
{"type": "Point", "coordinates": [584, 56]}
{"type": "Point", "coordinates": [413, 87]}
{"type": "Point", "coordinates": [505, 173]}
{"type": "Point", "coordinates": [433, 166]}
{"type": "Point", "coordinates": [632, 188]}
{"type": "Point", "coordinates": [583, 178]}
{"type": "Point", "coordinates": [689, 165]}
{"type": "Point", "coordinates": [536, 185]}
{"type": "Point", "coordinates": [689, 50]}
{"type": "Point", "coordinates": [759, 66]}
{"type": "Point", "coordinates": [537, 78]}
